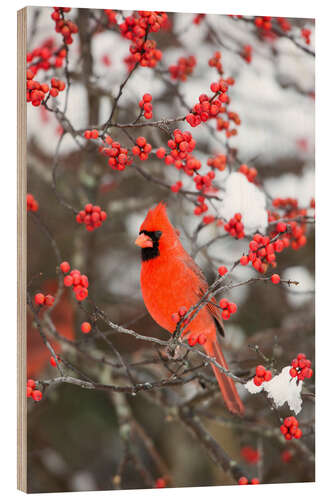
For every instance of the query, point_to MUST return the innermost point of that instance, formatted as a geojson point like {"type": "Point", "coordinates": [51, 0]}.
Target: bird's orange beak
{"type": "Point", "coordinates": [144, 241]}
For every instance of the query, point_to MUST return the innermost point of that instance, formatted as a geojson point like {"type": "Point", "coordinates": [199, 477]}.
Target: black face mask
{"type": "Point", "coordinates": [149, 253]}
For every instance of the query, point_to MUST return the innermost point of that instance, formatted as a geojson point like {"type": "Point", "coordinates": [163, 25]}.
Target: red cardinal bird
{"type": "Point", "coordinates": [171, 279]}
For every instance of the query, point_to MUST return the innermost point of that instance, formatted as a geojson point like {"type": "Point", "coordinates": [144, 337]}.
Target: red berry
{"type": "Point", "coordinates": [202, 339]}
{"type": "Point", "coordinates": [141, 142]}
{"type": "Point", "coordinates": [286, 456]}
{"type": "Point", "coordinates": [244, 260]}
{"type": "Point", "coordinates": [275, 278]}
{"type": "Point", "coordinates": [225, 314]}
{"type": "Point", "coordinates": [65, 267]}
{"type": "Point", "coordinates": [281, 227]}
{"type": "Point", "coordinates": [85, 327]}
{"type": "Point", "coordinates": [232, 307]}
{"type": "Point", "coordinates": [53, 361]}
{"type": "Point", "coordinates": [68, 280]}
{"type": "Point", "coordinates": [81, 294]}
{"type": "Point", "coordinates": [160, 153]}
{"type": "Point", "coordinates": [31, 383]}
{"type": "Point", "coordinates": [260, 370]}
{"type": "Point", "coordinates": [37, 395]}
{"type": "Point", "coordinates": [49, 300]}
{"type": "Point", "coordinates": [160, 483]}
{"type": "Point", "coordinates": [192, 340]}
{"type": "Point", "coordinates": [222, 270]}
{"type": "Point", "coordinates": [39, 299]}
{"type": "Point", "coordinates": [224, 303]}
{"type": "Point", "coordinates": [243, 480]}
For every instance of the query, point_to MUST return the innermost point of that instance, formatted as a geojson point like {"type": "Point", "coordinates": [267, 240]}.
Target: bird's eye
{"type": "Point", "coordinates": [158, 234]}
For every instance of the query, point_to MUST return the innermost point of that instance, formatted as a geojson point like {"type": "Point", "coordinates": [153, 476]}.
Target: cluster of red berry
{"type": "Point", "coordinates": [92, 216]}
{"type": "Point", "coordinates": [46, 56]}
{"type": "Point", "coordinates": [32, 392]}
{"type": "Point", "coordinates": [290, 428]}
{"type": "Point", "coordinates": [247, 53]}
{"type": "Point", "coordinates": [215, 62]}
{"type": "Point", "coordinates": [180, 156]}
{"type": "Point", "coordinates": [301, 367]}
{"type": "Point", "coordinates": [306, 34]}
{"type": "Point", "coordinates": [222, 124]}
{"type": "Point", "coordinates": [201, 206]}
{"type": "Point", "coordinates": [262, 375]}
{"type": "Point", "coordinates": [250, 455]}
{"type": "Point", "coordinates": [118, 156]}
{"type": "Point", "coordinates": [284, 24]}
{"type": "Point", "coordinates": [36, 92]}
{"type": "Point", "coordinates": [146, 105]}
{"type": "Point", "coordinates": [235, 227]}
{"type": "Point", "coordinates": [208, 219]}
{"type": "Point", "coordinates": [215, 107]}
{"type": "Point", "coordinates": [64, 26]}
{"type": "Point", "coordinates": [142, 148]}
{"type": "Point", "coordinates": [244, 480]}
{"type": "Point", "coordinates": [91, 134]}
{"type": "Point", "coordinates": [56, 87]}
{"type": "Point", "coordinates": [111, 15]}
{"type": "Point", "coordinates": [192, 339]}
{"type": "Point", "coordinates": [178, 315]}
{"type": "Point", "coordinates": [250, 173]}
{"type": "Point", "coordinates": [263, 23]}
{"type": "Point", "coordinates": [78, 281]}
{"type": "Point", "coordinates": [228, 308]}
{"type": "Point", "coordinates": [262, 252]}
{"type": "Point", "coordinates": [204, 182]}
{"type": "Point", "coordinates": [196, 339]}
{"type": "Point", "coordinates": [209, 107]}
{"type": "Point", "coordinates": [44, 300]}
{"type": "Point", "coordinates": [32, 204]}
{"type": "Point", "coordinates": [176, 186]}
{"type": "Point", "coordinates": [152, 20]}
{"type": "Point", "coordinates": [183, 68]}
{"type": "Point", "coordinates": [219, 162]}
{"type": "Point", "coordinates": [136, 28]}
{"type": "Point", "coordinates": [296, 235]}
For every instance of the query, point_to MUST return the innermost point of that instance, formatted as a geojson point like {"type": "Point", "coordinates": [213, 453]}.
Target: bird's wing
{"type": "Point", "coordinates": [200, 288]}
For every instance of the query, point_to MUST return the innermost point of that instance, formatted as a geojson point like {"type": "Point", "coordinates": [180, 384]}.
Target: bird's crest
{"type": "Point", "coordinates": [156, 219]}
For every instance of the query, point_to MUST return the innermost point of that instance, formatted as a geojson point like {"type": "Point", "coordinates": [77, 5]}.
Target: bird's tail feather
{"type": "Point", "coordinates": [226, 384]}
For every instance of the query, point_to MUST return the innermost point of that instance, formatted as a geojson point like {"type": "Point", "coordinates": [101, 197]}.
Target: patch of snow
{"type": "Point", "coordinates": [282, 389]}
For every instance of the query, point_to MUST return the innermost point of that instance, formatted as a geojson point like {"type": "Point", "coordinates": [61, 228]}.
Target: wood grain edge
{"type": "Point", "coordinates": [21, 251]}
